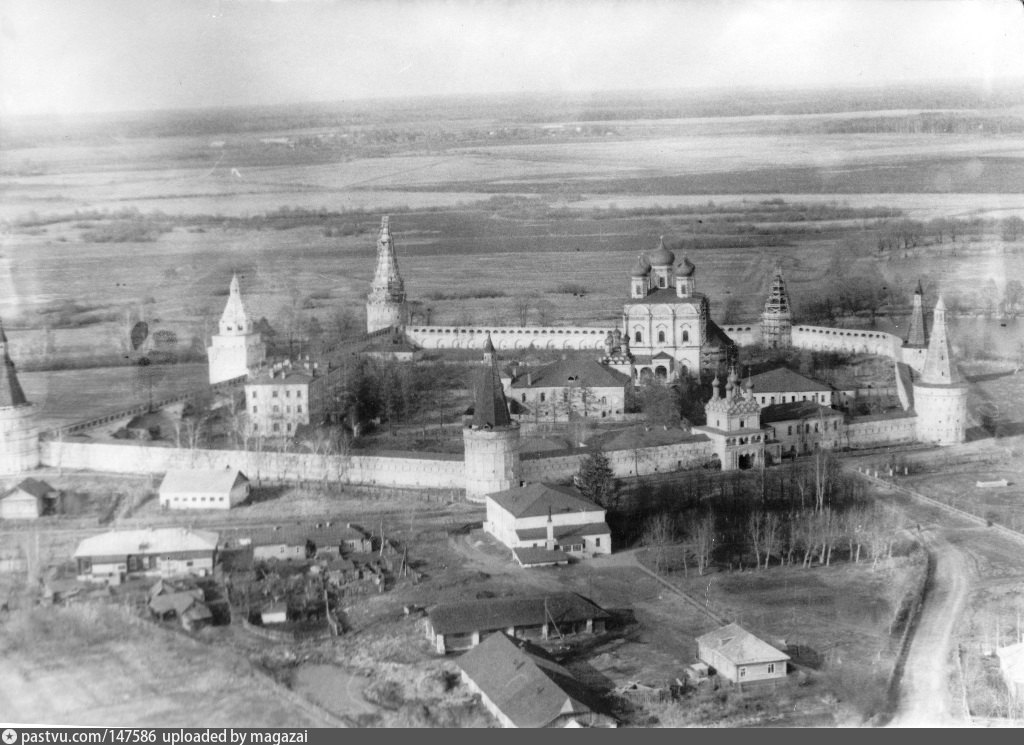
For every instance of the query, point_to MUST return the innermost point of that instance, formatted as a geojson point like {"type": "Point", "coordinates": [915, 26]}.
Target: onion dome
{"type": "Point", "coordinates": [662, 256]}
{"type": "Point", "coordinates": [641, 268]}
{"type": "Point", "coordinates": [686, 269]}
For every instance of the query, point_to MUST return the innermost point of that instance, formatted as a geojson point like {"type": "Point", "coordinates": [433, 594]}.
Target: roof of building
{"type": "Point", "coordinates": [200, 480]}
{"type": "Point", "coordinates": [661, 256]}
{"type": "Point", "coordinates": [717, 337]}
{"type": "Point", "coordinates": [297, 535]}
{"type": "Point", "coordinates": [179, 602]}
{"type": "Point", "coordinates": [939, 367]}
{"type": "Point", "coordinates": [795, 410]}
{"type": "Point", "coordinates": [34, 487]}
{"type": "Point", "coordinates": [285, 376]}
{"type": "Point", "coordinates": [502, 613]}
{"type": "Point", "coordinates": [490, 409]}
{"type": "Point", "coordinates": [533, 500]}
{"type": "Point", "coordinates": [147, 541]}
{"type": "Point", "coordinates": [739, 646]}
{"type": "Point", "coordinates": [686, 268]}
{"type": "Point", "coordinates": [576, 371]}
{"type": "Point", "coordinates": [563, 532]}
{"type": "Point", "coordinates": [641, 268]}
{"type": "Point", "coordinates": [644, 436]}
{"type": "Point", "coordinates": [524, 684]}
{"type": "Point", "coordinates": [11, 393]}
{"type": "Point", "coordinates": [529, 556]}
{"type": "Point", "coordinates": [783, 379]}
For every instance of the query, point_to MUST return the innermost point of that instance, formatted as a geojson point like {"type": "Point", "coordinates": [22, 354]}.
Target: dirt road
{"type": "Point", "coordinates": [924, 695]}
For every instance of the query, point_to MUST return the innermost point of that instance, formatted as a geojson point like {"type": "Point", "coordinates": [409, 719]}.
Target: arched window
{"type": "Point", "coordinates": [661, 337]}
{"type": "Point", "coordinates": [639, 337]}
{"type": "Point", "coordinates": [686, 335]}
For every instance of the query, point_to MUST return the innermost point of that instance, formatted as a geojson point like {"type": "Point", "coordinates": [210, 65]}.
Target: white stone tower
{"type": "Point", "coordinates": [19, 435]}
{"type": "Point", "coordinates": [940, 393]}
{"type": "Point", "coordinates": [491, 439]}
{"type": "Point", "coordinates": [777, 318]}
{"type": "Point", "coordinates": [237, 348]}
{"type": "Point", "coordinates": [385, 305]}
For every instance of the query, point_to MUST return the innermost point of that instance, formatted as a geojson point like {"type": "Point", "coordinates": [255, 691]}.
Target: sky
{"type": "Point", "coordinates": [69, 56]}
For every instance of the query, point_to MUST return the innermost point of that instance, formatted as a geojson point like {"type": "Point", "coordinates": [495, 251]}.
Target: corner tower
{"type": "Point", "coordinates": [237, 348]}
{"type": "Point", "coordinates": [385, 305]}
{"type": "Point", "coordinates": [915, 346]}
{"type": "Point", "coordinates": [940, 393]}
{"type": "Point", "coordinates": [19, 435]}
{"type": "Point", "coordinates": [777, 318]}
{"type": "Point", "coordinates": [491, 438]}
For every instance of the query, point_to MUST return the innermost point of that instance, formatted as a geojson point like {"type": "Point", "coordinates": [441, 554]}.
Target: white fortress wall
{"type": "Point", "coordinates": [509, 337]}
{"type": "Point", "coordinates": [868, 432]}
{"type": "Point", "coordinates": [744, 334]}
{"type": "Point", "coordinates": [857, 341]}
{"type": "Point", "coordinates": [630, 462]}
{"type": "Point", "coordinates": [396, 470]}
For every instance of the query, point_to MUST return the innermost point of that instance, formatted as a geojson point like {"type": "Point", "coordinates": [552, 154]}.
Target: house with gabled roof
{"type": "Point", "coordinates": [30, 499]}
{"type": "Point", "coordinates": [556, 518]}
{"type": "Point", "coordinates": [574, 386]}
{"type": "Point", "coordinates": [784, 386]}
{"type": "Point", "coordinates": [457, 626]}
{"type": "Point", "coordinates": [117, 555]}
{"type": "Point", "coordinates": [203, 488]}
{"type": "Point", "coordinates": [521, 686]}
{"type": "Point", "coordinates": [739, 656]}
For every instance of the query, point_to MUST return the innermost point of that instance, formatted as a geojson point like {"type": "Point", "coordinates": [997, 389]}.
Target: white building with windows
{"type": "Point", "coordinates": [739, 656]}
{"type": "Point", "coordinates": [203, 489]}
{"type": "Point", "coordinates": [283, 397]}
{"type": "Point", "coordinates": [118, 555]}
{"type": "Point", "coordinates": [556, 518]}
{"type": "Point", "coordinates": [237, 348]}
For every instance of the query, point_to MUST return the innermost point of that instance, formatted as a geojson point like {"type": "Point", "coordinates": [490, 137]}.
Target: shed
{"type": "Point", "coordinates": [739, 656]}
{"type": "Point", "coordinates": [203, 489]}
{"type": "Point", "coordinates": [28, 500]}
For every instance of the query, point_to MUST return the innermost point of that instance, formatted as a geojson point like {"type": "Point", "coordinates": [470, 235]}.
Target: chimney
{"type": "Point", "coordinates": [550, 544]}
{"type": "Point", "coordinates": [529, 378]}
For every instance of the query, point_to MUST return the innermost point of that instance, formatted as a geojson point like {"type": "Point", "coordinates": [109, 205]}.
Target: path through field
{"type": "Point", "coordinates": [924, 698]}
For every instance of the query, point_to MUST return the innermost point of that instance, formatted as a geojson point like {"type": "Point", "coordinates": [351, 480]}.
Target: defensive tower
{"type": "Point", "coordinates": [19, 435]}
{"type": "Point", "coordinates": [385, 305]}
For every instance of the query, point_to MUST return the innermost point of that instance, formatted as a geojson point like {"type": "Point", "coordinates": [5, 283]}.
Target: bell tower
{"type": "Point", "coordinates": [237, 348]}
{"type": "Point", "coordinates": [777, 318]}
{"type": "Point", "coordinates": [385, 305]}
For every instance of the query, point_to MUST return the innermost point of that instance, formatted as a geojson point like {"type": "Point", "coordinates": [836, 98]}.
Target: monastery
{"type": "Point", "coordinates": [665, 333]}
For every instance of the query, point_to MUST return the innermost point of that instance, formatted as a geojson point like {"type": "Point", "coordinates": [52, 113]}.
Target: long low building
{"type": "Point", "coordinates": [203, 489]}
{"type": "Point", "coordinates": [299, 542]}
{"type": "Point", "coordinates": [522, 687]}
{"type": "Point", "coordinates": [154, 552]}
{"type": "Point", "coordinates": [458, 626]}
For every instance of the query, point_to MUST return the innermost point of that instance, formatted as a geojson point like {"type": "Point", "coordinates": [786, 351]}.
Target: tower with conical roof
{"type": "Point", "coordinates": [777, 318]}
{"type": "Point", "coordinates": [490, 436]}
{"type": "Point", "coordinates": [19, 434]}
{"type": "Point", "coordinates": [940, 393]}
{"type": "Point", "coordinates": [237, 347]}
{"type": "Point", "coordinates": [385, 305]}
{"type": "Point", "coordinates": [915, 346]}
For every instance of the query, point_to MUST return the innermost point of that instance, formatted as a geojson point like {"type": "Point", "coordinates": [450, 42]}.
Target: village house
{"type": "Point", "coordinates": [203, 489]}
{"type": "Point", "coordinates": [578, 386]}
{"type": "Point", "coordinates": [118, 555]}
{"type": "Point", "coordinates": [521, 686]}
{"type": "Point", "coordinates": [802, 427]}
{"type": "Point", "coordinates": [784, 386]}
{"type": "Point", "coordinates": [28, 500]}
{"type": "Point", "coordinates": [739, 656]}
{"type": "Point", "coordinates": [457, 626]}
{"type": "Point", "coordinates": [182, 600]}
{"type": "Point", "coordinates": [544, 516]}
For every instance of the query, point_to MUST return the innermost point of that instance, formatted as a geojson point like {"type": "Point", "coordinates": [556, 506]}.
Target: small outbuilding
{"type": "Point", "coordinates": [203, 489]}
{"type": "Point", "coordinates": [739, 656]}
{"type": "Point", "coordinates": [1011, 664]}
{"type": "Point", "coordinates": [28, 500]}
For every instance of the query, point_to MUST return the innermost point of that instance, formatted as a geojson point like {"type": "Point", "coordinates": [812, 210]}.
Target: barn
{"type": "Point", "coordinates": [203, 489]}
{"type": "Point", "coordinates": [28, 500]}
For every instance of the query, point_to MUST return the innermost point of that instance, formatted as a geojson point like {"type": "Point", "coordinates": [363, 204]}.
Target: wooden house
{"type": "Point", "coordinates": [521, 686]}
{"type": "Point", "coordinates": [739, 656]}
{"type": "Point", "coordinates": [153, 552]}
{"type": "Point", "coordinates": [458, 626]}
{"type": "Point", "coordinates": [28, 500]}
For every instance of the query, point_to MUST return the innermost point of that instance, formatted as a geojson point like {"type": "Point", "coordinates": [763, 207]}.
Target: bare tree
{"type": "Point", "coordinates": [660, 532]}
{"type": "Point", "coordinates": [702, 540]}
{"type": "Point", "coordinates": [755, 532]}
{"type": "Point", "coordinates": [771, 532]}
